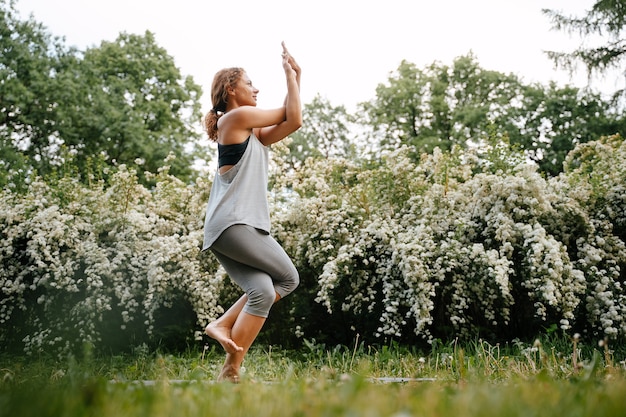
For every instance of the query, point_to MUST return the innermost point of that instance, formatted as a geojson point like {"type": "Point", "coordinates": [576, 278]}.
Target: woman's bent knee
{"type": "Point", "coordinates": [260, 301]}
{"type": "Point", "coordinates": [289, 284]}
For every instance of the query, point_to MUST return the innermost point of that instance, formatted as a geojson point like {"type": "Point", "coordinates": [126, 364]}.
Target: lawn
{"type": "Point", "coordinates": [476, 379]}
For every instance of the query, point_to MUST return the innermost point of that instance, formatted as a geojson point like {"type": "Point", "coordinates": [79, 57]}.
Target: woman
{"type": "Point", "coordinates": [237, 223]}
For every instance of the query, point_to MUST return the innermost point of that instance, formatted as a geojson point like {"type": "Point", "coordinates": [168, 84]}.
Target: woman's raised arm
{"type": "Point", "coordinates": [293, 106]}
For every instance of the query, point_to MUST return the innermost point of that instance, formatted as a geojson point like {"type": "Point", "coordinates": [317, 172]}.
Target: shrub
{"type": "Point", "coordinates": [459, 244]}
{"type": "Point", "coordinates": [107, 259]}
{"type": "Point", "coordinates": [445, 248]}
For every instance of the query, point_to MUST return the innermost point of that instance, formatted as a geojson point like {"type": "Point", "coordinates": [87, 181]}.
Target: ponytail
{"type": "Point", "coordinates": [224, 79]}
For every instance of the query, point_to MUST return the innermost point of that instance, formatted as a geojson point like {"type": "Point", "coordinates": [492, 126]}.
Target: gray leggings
{"type": "Point", "coordinates": [258, 264]}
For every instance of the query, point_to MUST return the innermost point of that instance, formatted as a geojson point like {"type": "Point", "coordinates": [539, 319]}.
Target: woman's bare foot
{"type": "Point", "coordinates": [222, 335]}
{"type": "Point", "coordinates": [229, 374]}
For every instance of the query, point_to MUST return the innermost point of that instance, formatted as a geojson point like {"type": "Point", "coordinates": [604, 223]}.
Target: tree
{"type": "Point", "coordinates": [324, 133]}
{"type": "Point", "coordinates": [130, 102]}
{"type": "Point", "coordinates": [478, 98]}
{"type": "Point", "coordinates": [550, 121]}
{"type": "Point", "coordinates": [606, 17]}
{"type": "Point", "coordinates": [440, 106]}
{"type": "Point", "coordinates": [396, 112]}
{"type": "Point", "coordinates": [27, 56]}
{"type": "Point", "coordinates": [124, 101]}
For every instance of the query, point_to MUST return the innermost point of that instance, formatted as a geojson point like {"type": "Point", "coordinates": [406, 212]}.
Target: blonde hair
{"type": "Point", "coordinates": [223, 80]}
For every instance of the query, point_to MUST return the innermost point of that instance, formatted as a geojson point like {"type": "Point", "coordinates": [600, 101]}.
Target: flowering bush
{"type": "Point", "coordinates": [82, 261]}
{"type": "Point", "coordinates": [455, 245]}
{"type": "Point", "coordinates": [595, 176]}
{"type": "Point", "coordinates": [446, 248]}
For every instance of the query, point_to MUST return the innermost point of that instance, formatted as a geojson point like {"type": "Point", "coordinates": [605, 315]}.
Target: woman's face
{"type": "Point", "coordinates": [245, 92]}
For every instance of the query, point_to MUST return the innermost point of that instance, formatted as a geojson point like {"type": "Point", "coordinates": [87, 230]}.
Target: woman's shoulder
{"type": "Point", "coordinates": [241, 111]}
{"type": "Point", "coordinates": [237, 116]}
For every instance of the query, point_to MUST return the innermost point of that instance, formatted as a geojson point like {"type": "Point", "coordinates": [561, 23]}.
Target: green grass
{"type": "Point", "coordinates": [476, 379]}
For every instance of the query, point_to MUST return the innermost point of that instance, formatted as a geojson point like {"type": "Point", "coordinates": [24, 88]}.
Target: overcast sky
{"type": "Point", "coordinates": [345, 47]}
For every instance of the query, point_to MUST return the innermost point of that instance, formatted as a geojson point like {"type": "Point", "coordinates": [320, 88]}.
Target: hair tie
{"type": "Point", "coordinates": [214, 110]}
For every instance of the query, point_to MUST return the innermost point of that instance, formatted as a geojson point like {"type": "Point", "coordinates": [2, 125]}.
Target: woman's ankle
{"type": "Point", "coordinates": [229, 373]}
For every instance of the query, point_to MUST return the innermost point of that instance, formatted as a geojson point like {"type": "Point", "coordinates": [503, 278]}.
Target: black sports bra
{"type": "Point", "coordinates": [231, 154]}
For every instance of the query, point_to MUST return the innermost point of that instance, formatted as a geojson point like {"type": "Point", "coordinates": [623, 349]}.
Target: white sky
{"type": "Point", "coordinates": [345, 47]}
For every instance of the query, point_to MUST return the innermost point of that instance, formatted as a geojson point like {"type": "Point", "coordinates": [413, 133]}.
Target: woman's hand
{"type": "Point", "coordinates": [290, 64]}
{"type": "Point", "coordinates": [292, 109]}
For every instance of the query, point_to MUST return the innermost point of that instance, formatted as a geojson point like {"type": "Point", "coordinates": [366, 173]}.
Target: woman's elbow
{"type": "Point", "coordinates": [295, 121]}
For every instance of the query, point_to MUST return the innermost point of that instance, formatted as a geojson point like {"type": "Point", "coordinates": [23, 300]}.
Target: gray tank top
{"type": "Point", "coordinates": [239, 196]}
